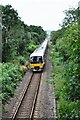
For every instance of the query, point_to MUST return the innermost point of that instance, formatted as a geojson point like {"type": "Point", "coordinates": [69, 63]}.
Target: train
{"type": "Point", "coordinates": [38, 57]}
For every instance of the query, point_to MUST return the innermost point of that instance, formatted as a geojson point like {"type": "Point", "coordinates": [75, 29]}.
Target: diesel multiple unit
{"type": "Point", "coordinates": [37, 58]}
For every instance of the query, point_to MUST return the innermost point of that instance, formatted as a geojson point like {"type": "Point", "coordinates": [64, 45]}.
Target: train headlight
{"type": "Point", "coordinates": [31, 66]}
{"type": "Point", "coordinates": [41, 66]}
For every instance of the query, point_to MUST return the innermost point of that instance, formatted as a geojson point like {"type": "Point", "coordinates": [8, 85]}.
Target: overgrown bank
{"type": "Point", "coordinates": [65, 57]}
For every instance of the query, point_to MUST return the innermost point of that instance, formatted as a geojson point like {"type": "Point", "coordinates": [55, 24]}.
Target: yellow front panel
{"type": "Point", "coordinates": [37, 65]}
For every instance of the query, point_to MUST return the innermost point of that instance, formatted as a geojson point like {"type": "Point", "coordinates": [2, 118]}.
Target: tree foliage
{"type": "Point", "coordinates": [16, 35]}
{"type": "Point", "coordinates": [72, 16]}
{"type": "Point", "coordinates": [66, 45]}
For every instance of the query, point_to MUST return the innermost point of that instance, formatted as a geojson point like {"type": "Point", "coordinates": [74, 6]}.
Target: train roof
{"type": "Point", "coordinates": [41, 49]}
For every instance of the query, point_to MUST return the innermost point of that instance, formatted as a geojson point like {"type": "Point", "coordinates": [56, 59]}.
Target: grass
{"type": "Point", "coordinates": [58, 79]}
{"type": "Point", "coordinates": [50, 81]}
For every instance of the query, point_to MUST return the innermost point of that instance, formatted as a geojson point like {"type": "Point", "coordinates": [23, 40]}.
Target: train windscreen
{"type": "Point", "coordinates": [36, 59]}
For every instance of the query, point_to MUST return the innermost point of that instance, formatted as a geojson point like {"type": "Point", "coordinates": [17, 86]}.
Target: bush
{"type": "Point", "coordinates": [69, 110]}
{"type": "Point", "coordinates": [11, 76]}
{"type": "Point", "coordinates": [22, 60]}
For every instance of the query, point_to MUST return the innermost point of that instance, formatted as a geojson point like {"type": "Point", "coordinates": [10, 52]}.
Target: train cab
{"type": "Point", "coordinates": [36, 63]}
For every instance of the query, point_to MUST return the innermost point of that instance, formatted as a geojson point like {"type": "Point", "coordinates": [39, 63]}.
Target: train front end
{"type": "Point", "coordinates": [36, 63]}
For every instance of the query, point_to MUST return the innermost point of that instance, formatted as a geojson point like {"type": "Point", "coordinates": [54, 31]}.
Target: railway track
{"type": "Point", "coordinates": [26, 106]}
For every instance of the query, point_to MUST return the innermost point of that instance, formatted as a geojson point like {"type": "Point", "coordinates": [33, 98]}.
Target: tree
{"type": "Point", "coordinates": [72, 16]}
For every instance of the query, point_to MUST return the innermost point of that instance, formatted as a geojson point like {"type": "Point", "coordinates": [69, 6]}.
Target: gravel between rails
{"type": "Point", "coordinates": [27, 103]}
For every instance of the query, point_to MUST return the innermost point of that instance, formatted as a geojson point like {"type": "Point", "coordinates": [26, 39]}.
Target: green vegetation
{"type": "Point", "coordinates": [18, 42]}
{"type": "Point", "coordinates": [65, 57]}
{"type": "Point", "coordinates": [17, 37]}
{"type": "Point", "coordinates": [11, 75]}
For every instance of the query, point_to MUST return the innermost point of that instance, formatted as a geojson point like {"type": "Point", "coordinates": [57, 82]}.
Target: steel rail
{"type": "Point", "coordinates": [35, 99]}
{"type": "Point", "coordinates": [21, 98]}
